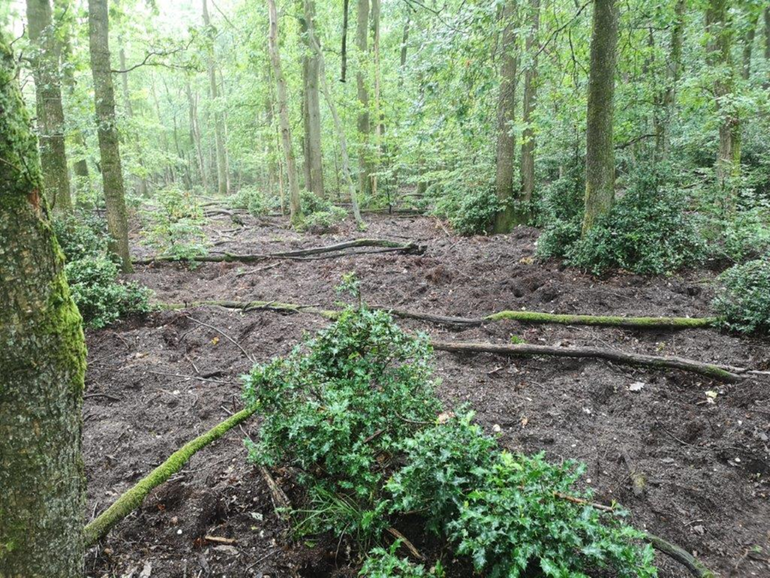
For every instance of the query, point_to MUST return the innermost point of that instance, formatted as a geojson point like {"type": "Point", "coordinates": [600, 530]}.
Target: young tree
{"type": "Point", "coordinates": [312, 111]}
{"type": "Point", "coordinates": [219, 125]}
{"type": "Point", "coordinates": [364, 126]}
{"type": "Point", "coordinates": [600, 155]}
{"type": "Point", "coordinates": [50, 115]}
{"type": "Point", "coordinates": [109, 147]}
{"type": "Point", "coordinates": [42, 360]}
{"type": "Point", "coordinates": [506, 104]}
{"type": "Point", "coordinates": [295, 208]}
{"type": "Point", "coordinates": [673, 70]}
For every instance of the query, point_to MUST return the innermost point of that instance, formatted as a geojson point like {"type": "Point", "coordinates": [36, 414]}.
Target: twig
{"type": "Point", "coordinates": [225, 335]}
{"type": "Point", "coordinates": [407, 544]}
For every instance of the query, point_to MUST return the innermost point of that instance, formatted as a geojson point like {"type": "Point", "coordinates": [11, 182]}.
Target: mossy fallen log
{"type": "Point", "coordinates": [339, 250]}
{"type": "Point", "coordinates": [719, 372]}
{"type": "Point", "coordinates": [134, 497]}
{"type": "Point", "coordinates": [693, 565]}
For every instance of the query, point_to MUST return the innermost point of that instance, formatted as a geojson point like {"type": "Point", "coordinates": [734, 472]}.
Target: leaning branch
{"type": "Point", "coordinates": [385, 246]}
{"type": "Point", "coordinates": [134, 497]}
{"type": "Point", "coordinates": [526, 349]}
{"type": "Point", "coordinates": [695, 566]}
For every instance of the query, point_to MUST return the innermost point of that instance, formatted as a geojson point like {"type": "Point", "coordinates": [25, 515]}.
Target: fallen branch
{"type": "Point", "coordinates": [134, 497]}
{"type": "Point", "coordinates": [526, 349]}
{"type": "Point", "coordinates": [695, 566]}
{"type": "Point", "coordinates": [385, 245]}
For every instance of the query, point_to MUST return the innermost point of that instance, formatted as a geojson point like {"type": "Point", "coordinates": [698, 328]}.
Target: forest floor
{"type": "Point", "coordinates": [156, 382]}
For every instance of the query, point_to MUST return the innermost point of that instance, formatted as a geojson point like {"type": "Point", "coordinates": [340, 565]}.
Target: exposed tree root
{"type": "Point", "coordinates": [134, 497]}
{"type": "Point", "coordinates": [695, 566]}
{"type": "Point", "coordinates": [526, 349]}
{"type": "Point", "coordinates": [384, 245]}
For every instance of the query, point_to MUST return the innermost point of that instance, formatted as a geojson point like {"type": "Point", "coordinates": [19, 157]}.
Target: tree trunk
{"type": "Point", "coordinates": [673, 69]}
{"type": "Point", "coordinates": [43, 361]}
{"type": "Point", "coordinates": [510, 216]}
{"type": "Point", "coordinates": [530, 95]}
{"type": "Point", "coordinates": [728, 163]}
{"type": "Point", "coordinates": [364, 127]}
{"type": "Point", "coordinates": [600, 156]}
{"type": "Point", "coordinates": [195, 135]}
{"type": "Point", "coordinates": [378, 127]}
{"type": "Point", "coordinates": [315, 46]}
{"type": "Point", "coordinates": [295, 208]}
{"type": "Point", "coordinates": [109, 148]}
{"type": "Point", "coordinates": [50, 115]}
{"type": "Point", "coordinates": [344, 47]}
{"type": "Point", "coordinates": [312, 116]}
{"type": "Point", "coordinates": [219, 129]}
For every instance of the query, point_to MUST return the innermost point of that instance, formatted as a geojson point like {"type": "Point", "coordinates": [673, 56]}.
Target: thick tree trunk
{"type": "Point", "coordinates": [530, 95]}
{"type": "Point", "coordinates": [283, 116]}
{"type": "Point", "coordinates": [600, 157]}
{"type": "Point", "coordinates": [42, 360]}
{"type": "Point", "coordinates": [728, 163]}
{"type": "Point", "coordinates": [314, 152]}
{"type": "Point", "coordinates": [50, 114]}
{"type": "Point", "coordinates": [663, 127]}
{"type": "Point", "coordinates": [364, 126]}
{"type": "Point", "coordinates": [109, 148]}
{"type": "Point", "coordinates": [348, 174]}
{"type": "Point", "coordinates": [219, 128]}
{"type": "Point", "coordinates": [510, 216]}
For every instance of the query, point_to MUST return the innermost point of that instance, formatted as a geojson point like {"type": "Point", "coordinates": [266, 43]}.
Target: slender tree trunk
{"type": "Point", "coordinates": [378, 126]}
{"type": "Point", "coordinates": [748, 44]}
{"type": "Point", "coordinates": [364, 126]}
{"type": "Point", "coordinates": [728, 164]}
{"type": "Point", "coordinates": [404, 47]}
{"type": "Point", "coordinates": [673, 69]}
{"type": "Point", "coordinates": [600, 155]}
{"type": "Point", "coordinates": [344, 47]}
{"type": "Point", "coordinates": [295, 208]}
{"type": "Point", "coordinates": [109, 148]}
{"type": "Point", "coordinates": [506, 104]}
{"type": "Point", "coordinates": [195, 135]}
{"type": "Point", "coordinates": [42, 360]}
{"type": "Point", "coordinates": [50, 114]}
{"type": "Point", "coordinates": [168, 172]}
{"type": "Point", "coordinates": [348, 174]}
{"type": "Point", "coordinates": [219, 129]}
{"type": "Point", "coordinates": [767, 45]}
{"type": "Point", "coordinates": [313, 146]}
{"type": "Point", "coordinates": [530, 96]}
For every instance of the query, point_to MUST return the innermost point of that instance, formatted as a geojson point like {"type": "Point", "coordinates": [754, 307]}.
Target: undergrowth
{"type": "Point", "coordinates": [353, 414]}
{"type": "Point", "coordinates": [175, 225]}
{"type": "Point", "coordinates": [743, 297]}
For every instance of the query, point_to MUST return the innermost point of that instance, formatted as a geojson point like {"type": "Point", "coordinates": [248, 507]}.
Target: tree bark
{"type": "Point", "coordinates": [530, 96]}
{"type": "Point", "coordinates": [600, 156]}
{"type": "Point", "coordinates": [42, 360]}
{"type": "Point", "coordinates": [195, 134]}
{"type": "Point", "coordinates": [313, 148]}
{"type": "Point", "coordinates": [364, 126]}
{"type": "Point", "coordinates": [344, 47]}
{"type": "Point", "coordinates": [109, 147]}
{"type": "Point", "coordinates": [50, 114]}
{"type": "Point", "coordinates": [219, 129]}
{"type": "Point", "coordinates": [728, 162]}
{"type": "Point", "coordinates": [283, 116]}
{"type": "Point", "coordinates": [510, 215]}
{"type": "Point", "coordinates": [673, 70]}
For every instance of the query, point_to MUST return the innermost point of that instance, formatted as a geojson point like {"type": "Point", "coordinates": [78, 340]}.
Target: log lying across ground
{"type": "Point", "coordinates": [719, 372]}
{"type": "Point", "coordinates": [330, 251]}
{"type": "Point", "coordinates": [521, 316]}
{"type": "Point", "coordinates": [134, 497]}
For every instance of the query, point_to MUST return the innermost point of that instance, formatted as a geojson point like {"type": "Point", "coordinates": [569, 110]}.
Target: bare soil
{"type": "Point", "coordinates": [154, 383]}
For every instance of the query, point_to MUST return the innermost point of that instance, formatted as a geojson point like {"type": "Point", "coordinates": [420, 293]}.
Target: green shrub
{"type": "Point", "coordinates": [312, 203]}
{"type": "Point", "coordinates": [99, 295]}
{"type": "Point", "coordinates": [175, 227]}
{"type": "Point", "coordinates": [81, 235]}
{"type": "Point", "coordinates": [743, 297]}
{"type": "Point", "coordinates": [254, 201]}
{"type": "Point", "coordinates": [557, 238]}
{"type": "Point", "coordinates": [648, 231]}
{"type": "Point", "coordinates": [470, 212]}
{"type": "Point", "coordinates": [382, 563]}
{"type": "Point", "coordinates": [353, 413]}
{"type": "Point", "coordinates": [325, 221]}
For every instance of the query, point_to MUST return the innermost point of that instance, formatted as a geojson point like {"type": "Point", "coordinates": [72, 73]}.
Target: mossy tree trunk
{"type": "Point", "coordinates": [283, 115]}
{"type": "Point", "coordinates": [219, 124]}
{"type": "Point", "coordinates": [109, 147]}
{"type": "Point", "coordinates": [506, 104]}
{"type": "Point", "coordinates": [50, 114]}
{"type": "Point", "coordinates": [528, 107]}
{"type": "Point", "coordinates": [600, 156]}
{"type": "Point", "coordinates": [42, 361]}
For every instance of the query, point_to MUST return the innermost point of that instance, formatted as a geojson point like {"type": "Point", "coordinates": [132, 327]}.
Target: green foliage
{"type": "Point", "coordinates": [93, 275]}
{"type": "Point", "coordinates": [254, 201]}
{"type": "Point", "coordinates": [353, 412]}
{"type": "Point", "coordinates": [175, 225]}
{"type": "Point", "coordinates": [469, 211]}
{"type": "Point", "coordinates": [743, 297]}
{"type": "Point", "coordinates": [322, 222]}
{"type": "Point", "coordinates": [312, 203]}
{"type": "Point", "coordinates": [382, 563]}
{"type": "Point", "coordinates": [648, 231]}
